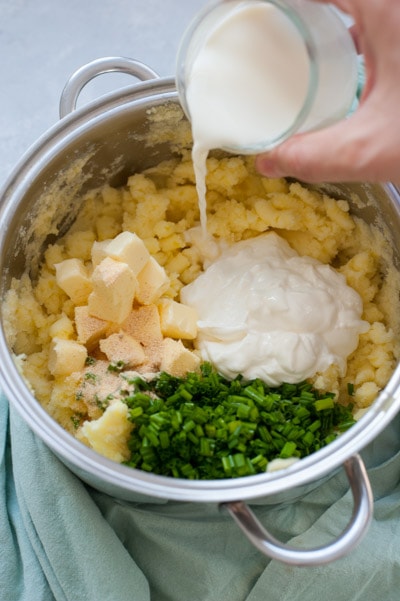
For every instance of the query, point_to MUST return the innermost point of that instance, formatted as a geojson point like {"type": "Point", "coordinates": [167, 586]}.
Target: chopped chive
{"type": "Point", "coordinates": [323, 404]}
{"type": "Point", "coordinates": [136, 412]}
{"type": "Point", "coordinates": [164, 439]}
{"type": "Point", "coordinates": [288, 450]}
{"type": "Point", "coordinates": [204, 426]}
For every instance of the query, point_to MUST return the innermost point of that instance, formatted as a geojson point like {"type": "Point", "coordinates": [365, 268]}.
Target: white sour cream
{"type": "Point", "coordinates": [266, 312]}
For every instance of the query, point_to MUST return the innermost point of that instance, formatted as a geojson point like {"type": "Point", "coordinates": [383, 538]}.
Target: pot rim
{"type": "Point", "coordinates": [52, 143]}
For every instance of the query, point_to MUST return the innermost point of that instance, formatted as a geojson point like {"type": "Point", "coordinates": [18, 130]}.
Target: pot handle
{"type": "Point", "coordinates": [355, 530]}
{"type": "Point", "coordinates": [86, 73]}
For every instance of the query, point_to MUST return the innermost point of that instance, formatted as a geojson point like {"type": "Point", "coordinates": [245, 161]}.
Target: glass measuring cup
{"type": "Point", "coordinates": [330, 71]}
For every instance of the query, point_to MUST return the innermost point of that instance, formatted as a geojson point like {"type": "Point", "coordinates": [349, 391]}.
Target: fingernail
{"type": "Point", "coordinates": [267, 166]}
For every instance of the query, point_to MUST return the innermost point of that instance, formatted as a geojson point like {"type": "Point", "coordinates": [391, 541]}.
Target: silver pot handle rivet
{"type": "Point", "coordinates": [350, 537]}
{"type": "Point", "coordinates": [86, 73]}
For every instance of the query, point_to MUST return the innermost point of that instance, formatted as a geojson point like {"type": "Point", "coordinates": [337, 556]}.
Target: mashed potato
{"type": "Point", "coordinates": [160, 206]}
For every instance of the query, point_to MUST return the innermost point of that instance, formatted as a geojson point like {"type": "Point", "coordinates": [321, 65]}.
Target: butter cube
{"type": "Point", "coordinates": [72, 277]}
{"type": "Point", "coordinates": [89, 329]}
{"type": "Point", "coordinates": [114, 287]}
{"type": "Point", "coordinates": [152, 282]}
{"type": "Point", "coordinates": [126, 247]}
{"type": "Point", "coordinates": [176, 359]}
{"type": "Point", "coordinates": [66, 357]}
{"type": "Point", "coordinates": [143, 324]}
{"type": "Point", "coordinates": [122, 347]}
{"type": "Point", "coordinates": [177, 320]}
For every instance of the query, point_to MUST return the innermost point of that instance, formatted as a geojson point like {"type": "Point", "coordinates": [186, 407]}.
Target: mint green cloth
{"type": "Point", "coordinates": [61, 540]}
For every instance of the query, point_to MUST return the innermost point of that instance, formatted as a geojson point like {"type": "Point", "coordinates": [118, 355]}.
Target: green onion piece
{"type": "Point", "coordinates": [136, 412]}
{"type": "Point", "coordinates": [254, 394]}
{"type": "Point", "coordinates": [323, 404]}
{"type": "Point", "coordinates": [164, 439]}
{"type": "Point", "coordinates": [203, 426]}
{"type": "Point", "coordinates": [288, 450]}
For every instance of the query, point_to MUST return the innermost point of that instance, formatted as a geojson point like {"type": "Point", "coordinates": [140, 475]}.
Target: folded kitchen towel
{"type": "Point", "coordinates": [62, 540]}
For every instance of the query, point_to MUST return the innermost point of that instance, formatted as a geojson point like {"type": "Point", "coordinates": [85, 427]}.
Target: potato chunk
{"type": "Point", "coordinates": [66, 357]}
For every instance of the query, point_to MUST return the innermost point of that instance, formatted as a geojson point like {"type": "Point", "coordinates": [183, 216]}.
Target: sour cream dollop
{"type": "Point", "coordinates": [266, 312]}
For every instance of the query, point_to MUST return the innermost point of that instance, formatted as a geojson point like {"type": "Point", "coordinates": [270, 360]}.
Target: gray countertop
{"type": "Point", "coordinates": [42, 42]}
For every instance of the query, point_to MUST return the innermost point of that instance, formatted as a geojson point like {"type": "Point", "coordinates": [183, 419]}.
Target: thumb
{"type": "Point", "coordinates": [336, 153]}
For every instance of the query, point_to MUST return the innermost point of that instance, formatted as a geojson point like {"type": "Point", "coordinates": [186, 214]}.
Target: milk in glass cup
{"type": "Point", "coordinates": [250, 73]}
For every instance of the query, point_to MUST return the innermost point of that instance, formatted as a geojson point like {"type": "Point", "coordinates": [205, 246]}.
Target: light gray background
{"type": "Point", "coordinates": [43, 41]}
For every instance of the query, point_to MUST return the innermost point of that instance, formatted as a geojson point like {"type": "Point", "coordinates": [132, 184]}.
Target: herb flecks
{"type": "Point", "coordinates": [76, 420]}
{"type": "Point", "coordinates": [117, 366]}
{"type": "Point", "coordinates": [91, 377]}
{"type": "Point", "coordinates": [90, 361]}
{"type": "Point", "coordinates": [103, 403]}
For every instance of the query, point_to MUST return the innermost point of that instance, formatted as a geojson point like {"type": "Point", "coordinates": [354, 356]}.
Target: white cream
{"type": "Point", "coordinates": [266, 312]}
{"type": "Point", "coordinates": [246, 85]}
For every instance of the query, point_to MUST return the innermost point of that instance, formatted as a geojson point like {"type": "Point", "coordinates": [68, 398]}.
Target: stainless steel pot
{"type": "Point", "coordinates": [104, 142]}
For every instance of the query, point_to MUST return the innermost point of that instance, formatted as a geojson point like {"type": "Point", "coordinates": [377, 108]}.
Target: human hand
{"type": "Point", "coordinates": [366, 145]}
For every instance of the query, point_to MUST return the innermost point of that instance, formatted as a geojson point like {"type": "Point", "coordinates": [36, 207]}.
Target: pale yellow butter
{"type": "Point", "coordinates": [126, 247]}
{"type": "Point", "coordinates": [114, 287]}
{"type": "Point", "coordinates": [176, 359]}
{"type": "Point", "coordinates": [153, 281]}
{"type": "Point", "coordinates": [177, 320]}
{"type": "Point", "coordinates": [122, 347]}
{"type": "Point", "coordinates": [89, 329]}
{"type": "Point", "coordinates": [72, 277]}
